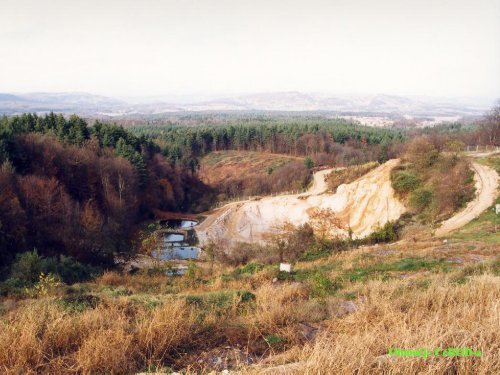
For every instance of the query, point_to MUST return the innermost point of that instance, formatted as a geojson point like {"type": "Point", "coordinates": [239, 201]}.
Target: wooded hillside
{"type": "Point", "coordinates": [67, 188]}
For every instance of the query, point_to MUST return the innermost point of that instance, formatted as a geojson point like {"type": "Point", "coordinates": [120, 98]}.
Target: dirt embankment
{"type": "Point", "coordinates": [363, 205]}
{"type": "Point", "coordinates": [486, 182]}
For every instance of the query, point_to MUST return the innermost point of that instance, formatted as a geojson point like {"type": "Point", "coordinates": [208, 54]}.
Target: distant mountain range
{"type": "Point", "coordinates": [101, 106]}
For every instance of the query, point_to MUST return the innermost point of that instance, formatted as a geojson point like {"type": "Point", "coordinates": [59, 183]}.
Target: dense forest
{"type": "Point", "coordinates": [67, 188]}
{"type": "Point", "coordinates": [327, 140]}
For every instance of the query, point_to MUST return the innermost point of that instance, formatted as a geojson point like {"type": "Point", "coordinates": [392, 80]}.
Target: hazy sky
{"type": "Point", "coordinates": [156, 47]}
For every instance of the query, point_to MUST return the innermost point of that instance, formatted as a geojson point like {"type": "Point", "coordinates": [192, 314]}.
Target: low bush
{"type": "Point", "coordinates": [386, 233]}
{"type": "Point", "coordinates": [249, 268]}
{"type": "Point", "coordinates": [404, 182]}
{"type": "Point", "coordinates": [80, 302]}
{"type": "Point", "coordinates": [322, 286]}
{"type": "Point", "coordinates": [220, 300]}
{"type": "Point", "coordinates": [421, 199]}
{"type": "Point", "coordinates": [27, 268]}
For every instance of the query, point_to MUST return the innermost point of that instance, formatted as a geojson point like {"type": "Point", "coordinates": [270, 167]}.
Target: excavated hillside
{"type": "Point", "coordinates": [362, 205]}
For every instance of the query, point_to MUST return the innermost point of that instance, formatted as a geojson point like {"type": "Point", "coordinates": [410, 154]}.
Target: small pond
{"type": "Point", "coordinates": [174, 237]}
{"type": "Point", "coordinates": [179, 252]}
{"type": "Point", "coordinates": [178, 223]}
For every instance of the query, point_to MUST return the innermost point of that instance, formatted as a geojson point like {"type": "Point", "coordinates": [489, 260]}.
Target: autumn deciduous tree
{"type": "Point", "coordinates": [66, 190]}
{"type": "Point", "coordinates": [13, 220]}
{"type": "Point", "coordinates": [288, 242]}
{"type": "Point", "coordinates": [324, 222]}
{"type": "Point", "coordinates": [454, 146]}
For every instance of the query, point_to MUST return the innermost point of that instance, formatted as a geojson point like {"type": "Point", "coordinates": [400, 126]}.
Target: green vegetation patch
{"type": "Point", "coordinates": [220, 300]}
{"type": "Point", "coordinates": [405, 182]}
{"type": "Point", "coordinates": [384, 270]}
{"type": "Point", "coordinates": [485, 228]}
{"type": "Point", "coordinates": [491, 161]}
{"type": "Point", "coordinates": [465, 273]}
{"type": "Point", "coordinates": [249, 268]}
{"type": "Point", "coordinates": [79, 302]}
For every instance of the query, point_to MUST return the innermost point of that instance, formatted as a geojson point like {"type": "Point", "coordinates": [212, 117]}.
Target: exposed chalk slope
{"type": "Point", "coordinates": [363, 205]}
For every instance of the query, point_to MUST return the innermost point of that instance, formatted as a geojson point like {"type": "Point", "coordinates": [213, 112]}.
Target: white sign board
{"type": "Point", "coordinates": [285, 267]}
{"type": "Point", "coordinates": [497, 209]}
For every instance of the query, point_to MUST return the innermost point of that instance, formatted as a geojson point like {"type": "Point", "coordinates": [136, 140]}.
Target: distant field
{"type": "Point", "coordinates": [221, 166]}
{"type": "Point", "coordinates": [237, 173]}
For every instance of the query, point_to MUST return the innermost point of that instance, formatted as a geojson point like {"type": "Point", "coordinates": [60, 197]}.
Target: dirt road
{"type": "Point", "coordinates": [486, 182]}
{"type": "Point", "coordinates": [319, 184]}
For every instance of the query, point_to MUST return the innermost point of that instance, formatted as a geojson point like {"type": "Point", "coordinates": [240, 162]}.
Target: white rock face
{"type": "Point", "coordinates": [363, 205]}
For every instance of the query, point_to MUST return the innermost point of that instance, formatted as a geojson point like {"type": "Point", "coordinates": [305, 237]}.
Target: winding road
{"type": "Point", "coordinates": [486, 182]}
{"type": "Point", "coordinates": [319, 184]}
{"type": "Point", "coordinates": [365, 203]}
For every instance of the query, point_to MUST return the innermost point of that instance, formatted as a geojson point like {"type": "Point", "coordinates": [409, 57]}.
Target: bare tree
{"type": "Point", "coordinates": [490, 127]}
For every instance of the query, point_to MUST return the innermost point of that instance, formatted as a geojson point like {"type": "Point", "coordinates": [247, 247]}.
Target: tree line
{"type": "Point", "coordinates": [328, 140]}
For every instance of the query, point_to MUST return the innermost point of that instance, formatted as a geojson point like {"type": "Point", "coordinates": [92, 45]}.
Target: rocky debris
{"type": "Point", "coordinates": [142, 261]}
{"type": "Point", "coordinates": [345, 308]}
{"type": "Point", "coordinates": [455, 260]}
{"type": "Point", "coordinates": [477, 258]}
{"type": "Point", "coordinates": [222, 359]}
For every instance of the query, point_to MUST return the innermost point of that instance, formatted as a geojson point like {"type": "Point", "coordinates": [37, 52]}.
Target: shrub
{"type": "Point", "coordinates": [421, 153]}
{"type": "Point", "coordinates": [309, 163]}
{"type": "Point", "coordinates": [405, 181]}
{"type": "Point", "coordinates": [249, 268]}
{"type": "Point", "coordinates": [220, 300]}
{"type": "Point", "coordinates": [386, 233]}
{"type": "Point", "coordinates": [71, 271]}
{"type": "Point", "coordinates": [421, 199]}
{"type": "Point", "coordinates": [322, 286]}
{"type": "Point", "coordinates": [80, 302]}
{"type": "Point", "coordinates": [45, 286]}
{"type": "Point", "coordinates": [28, 267]}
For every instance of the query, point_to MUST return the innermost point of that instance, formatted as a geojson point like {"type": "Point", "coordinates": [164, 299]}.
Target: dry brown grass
{"type": "Point", "coordinates": [157, 326]}
{"type": "Point", "coordinates": [348, 175]}
{"type": "Point", "coordinates": [444, 316]}
{"type": "Point", "coordinates": [397, 314]}
{"type": "Point", "coordinates": [116, 337]}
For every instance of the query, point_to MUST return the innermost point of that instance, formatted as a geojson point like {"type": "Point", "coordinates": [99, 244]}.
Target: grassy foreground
{"type": "Point", "coordinates": [337, 314]}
